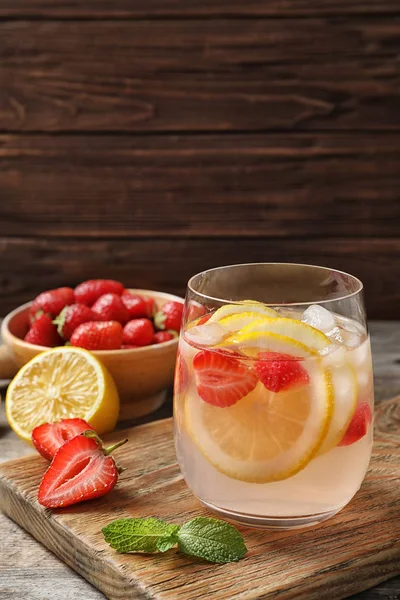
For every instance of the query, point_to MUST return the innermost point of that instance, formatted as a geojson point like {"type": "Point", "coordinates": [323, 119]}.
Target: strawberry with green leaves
{"type": "Point", "coordinates": [71, 317]}
{"type": "Point", "coordinates": [98, 335]}
{"type": "Point", "coordinates": [43, 332]}
{"type": "Point", "coordinates": [169, 316]}
{"type": "Point", "coordinates": [52, 302]}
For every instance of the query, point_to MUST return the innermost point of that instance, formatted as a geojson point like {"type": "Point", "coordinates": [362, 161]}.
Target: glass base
{"type": "Point", "coordinates": [265, 522]}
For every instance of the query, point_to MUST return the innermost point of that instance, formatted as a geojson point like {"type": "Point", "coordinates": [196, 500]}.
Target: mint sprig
{"type": "Point", "coordinates": [210, 539]}
{"type": "Point", "coordinates": [140, 535]}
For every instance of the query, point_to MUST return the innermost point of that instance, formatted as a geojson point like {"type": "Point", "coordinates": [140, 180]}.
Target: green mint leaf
{"type": "Point", "coordinates": [140, 535]}
{"type": "Point", "coordinates": [212, 540]}
{"type": "Point", "coordinates": [166, 543]}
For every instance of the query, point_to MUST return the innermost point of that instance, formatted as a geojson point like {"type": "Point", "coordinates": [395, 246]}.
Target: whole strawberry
{"type": "Point", "coordinates": [163, 336]}
{"type": "Point", "coordinates": [111, 308]}
{"type": "Point", "coordinates": [43, 332]}
{"type": "Point", "coordinates": [138, 332]}
{"type": "Point", "coordinates": [95, 335]}
{"type": "Point", "coordinates": [71, 317]}
{"type": "Point", "coordinates": [89, 291]}
{"type": "Point", "coordinates": [52, 301]}
{"type": "Point", "coordinates": [151, 307]}
{"type": "Point", "coordinates": [135, 304]}
{"type": "Point", "coordinates": [170, 316]}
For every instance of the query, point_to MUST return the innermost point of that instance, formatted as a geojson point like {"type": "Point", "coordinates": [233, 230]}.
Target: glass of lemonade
{"type": "Point", "coordinates": [273, 395]}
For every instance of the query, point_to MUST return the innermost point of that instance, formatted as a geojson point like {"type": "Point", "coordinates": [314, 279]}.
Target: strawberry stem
{"type": "Point", "coordinates": [107, 451]}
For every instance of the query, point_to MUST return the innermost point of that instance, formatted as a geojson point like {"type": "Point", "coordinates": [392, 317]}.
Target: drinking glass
{"type": "Point", "coordinates": [273, 395]}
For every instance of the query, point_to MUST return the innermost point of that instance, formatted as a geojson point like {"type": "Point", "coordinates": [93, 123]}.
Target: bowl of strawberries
{"type": "Point", "coordinates": [133, 332]}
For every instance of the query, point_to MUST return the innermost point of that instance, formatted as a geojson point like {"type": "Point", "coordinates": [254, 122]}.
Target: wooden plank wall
{"type": "Point", "coordinates": [149, 140]}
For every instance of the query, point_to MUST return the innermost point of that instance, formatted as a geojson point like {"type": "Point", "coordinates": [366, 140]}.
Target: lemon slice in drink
{"type": "Point", "coordinates": [243, 307]}
{"type": "Point", "coordinates": [62, 383]}
{"type": "Point", "coordinates": [292, 328]}
{"type": "Point", "coordinates": [265, 436]}
{"type": "Point", "coordinates": [251, 344]}
{"type": "Point", "coordinates": [238, 321]}
{"type": "Point", "coordinates": [345, 392]}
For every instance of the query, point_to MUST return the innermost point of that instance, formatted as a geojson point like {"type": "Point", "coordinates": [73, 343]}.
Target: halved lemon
{"type": "Point", "coordinates": [243, 307]}
{"type": "Point", "coordinates": [62, 383]}
{"type": "Point", "coordinates": [292, 328]}
{"type": "Point", "coordinates": [265, 436]}
{"type": "Point", "coordinates": [345, 392]}
{"type": "Point", "coordinates": [251, 344]}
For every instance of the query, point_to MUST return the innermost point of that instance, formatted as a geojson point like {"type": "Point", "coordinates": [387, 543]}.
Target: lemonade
{"type": "Point", "coordinates": [273, 411]}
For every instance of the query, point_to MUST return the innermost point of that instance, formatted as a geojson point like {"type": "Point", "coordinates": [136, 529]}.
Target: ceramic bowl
{"type": "Point", "coordinates": [142, 375]}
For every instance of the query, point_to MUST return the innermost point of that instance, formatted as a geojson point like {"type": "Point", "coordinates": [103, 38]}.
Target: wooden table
{"type": "Point", "coordinates": [29, 571]}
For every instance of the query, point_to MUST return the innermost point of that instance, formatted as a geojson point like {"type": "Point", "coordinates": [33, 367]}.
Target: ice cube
{"type": "Point", "coordinates": [317, 316]}
{"type": "Point", "coordinates": [335, 357]}
{"type": "Point", "coordinates": [208, 334]}
{"type": "Point", "coordinates": [351, 340]}
{"type": "Point", "coordinates": [335, 335]}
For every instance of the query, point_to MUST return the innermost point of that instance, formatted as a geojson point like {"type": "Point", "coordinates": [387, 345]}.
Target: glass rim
{"type": "Point", "coordinates": [292, 264]}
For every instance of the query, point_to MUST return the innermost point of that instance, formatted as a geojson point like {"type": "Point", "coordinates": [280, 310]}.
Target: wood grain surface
{"type": "Point", "coordinates": [218, 131]}
{"type": "Point", "coordinates": [29, 570]}
{"type": "Point", "coordinates": [29, 265]}
{"type": "Point", "coordinates": [302, 564]}
{"type": "Point", "coordinates": [205, 75]}
{"type": "Point", "coordinates": [201, 186]}
{"type": "Point", "coordinates": [154, 9]}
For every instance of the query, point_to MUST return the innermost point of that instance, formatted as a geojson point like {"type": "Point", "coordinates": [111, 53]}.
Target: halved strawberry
{"type": "Point", "coordinates": [81, 470]}
{"type": "Point", "coordinates": [49, 437]}
{"type": "Point", "coordinates": [359, 425]}
{"type": "Point", "coordinates": [279, 372]}
{"type": "Point", "coordinates": [181, 379]}
{"type": "Point", "coordinates": [204, 319]}
{"type": "Point", "coordinates": [222, 381]}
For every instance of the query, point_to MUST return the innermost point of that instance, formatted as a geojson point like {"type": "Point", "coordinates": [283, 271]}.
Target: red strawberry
{"type": "Point", "coordinates": [81, 470]}
{"type": "Point", "coordinates": [43, 332]}
{"type": "Point", "coordinates": [49, 437]}
{"type": "Point", "coordinates": [71, 317]}
{"type": "Point", "coordinates": [170, 316]}
{"type": "Point", "coordinates": [94, 335]}
{"type": "Point", "coordinates": [89, 291]}
{"type": "Point", "coordinates": [280, 372]}
{"type": "Point", "coordinates": [135, 304]}
{"type": "Point", "coordinates": [151, 307]}
{"type": "Point", "coordinates": [138, 306]}
{"type": "Point", "coordinates": [129, 346]}
{"type": "Point", "coordinates": [111, 308]}
{"type": "Point", "coordinates": [138, 332]}
{"type": "Point", "coordinates": [204, 319]}
{"type": "Point", "coordinates": [359, 424]}
{"type": "Point", "coordinates": [221, 380]}
{"type": "Point", "coordinates": [163, 336]}
{"type": "Point", "coordinates": [181, 379]}
{"type": "Point", "coordinates": [52, 301]}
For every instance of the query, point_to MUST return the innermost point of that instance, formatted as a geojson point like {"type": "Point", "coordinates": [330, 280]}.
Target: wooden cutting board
{"type": "Point", "coordinates": [354, 550]}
